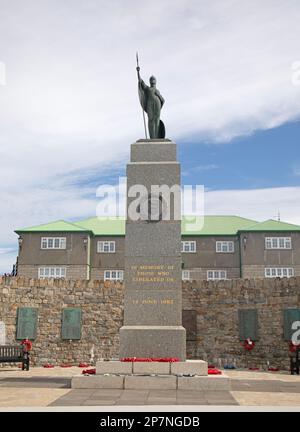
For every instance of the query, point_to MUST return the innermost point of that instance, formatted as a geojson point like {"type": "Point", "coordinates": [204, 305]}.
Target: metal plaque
{"type": "Point", "coordinates": [27, 322]}
{"type": "Point", "coordinates": [289, 316]}
{"type": "Point", "coordinates": [71, 323]}
{"type": "Point", "coordinates": [248, 324]}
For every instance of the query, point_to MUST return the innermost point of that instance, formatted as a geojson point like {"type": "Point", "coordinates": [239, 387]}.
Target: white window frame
{"type": "Point", "coordinates": [272, 272]}
{"type": "Point", "coordinates": [186, 275]}
{"type": "Point", "coordinates": [188, 246]}
{"type": "Point", "coordinates": [225, 246]}
{"type": "Point", "coordinates": [216, 274]}
{"type": "Point", "coordinates": [106, 246]}
{"type": "Point", "coordinates": [46, 241]}
{"type": "Point", "coordinates": [278, 243]}
{"type": "Point", "coordinates": [114, 275]}
{"type": "Point", "coordinates": [52, 272]}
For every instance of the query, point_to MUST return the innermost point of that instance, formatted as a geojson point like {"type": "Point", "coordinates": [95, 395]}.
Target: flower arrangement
{"type": "Point", "coordinates": [248, 344]}
{"type": "Point", "coordinates": [150, 359]}
{"type": "Point", "coordinates": [293, 347]}
{"type": "Point", "coordinates": [89, 371]}
{"type": "Point", "coordinates": [27, 345]}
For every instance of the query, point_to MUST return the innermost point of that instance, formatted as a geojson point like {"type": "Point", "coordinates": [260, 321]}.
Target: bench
{"type": "Point", "coordinates": [14, 354]}
{"type": "Point", "coordinates": [295, 363]}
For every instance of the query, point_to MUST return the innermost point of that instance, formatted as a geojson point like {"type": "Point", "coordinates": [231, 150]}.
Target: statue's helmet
{"type": "Point", "coordinates": [152, 80]}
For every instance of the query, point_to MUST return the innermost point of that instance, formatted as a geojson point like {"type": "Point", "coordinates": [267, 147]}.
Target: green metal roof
{"type": "Point", "coordinates": [272, 225]}
{"type": "Point", "coordinates": [104, 226]}
{"type": "Point", "coordinates": [57, 226]}
{"type": "Point", "coordinates": [214, 225]}
{"type": "Point", "coordinates": [206, 225]}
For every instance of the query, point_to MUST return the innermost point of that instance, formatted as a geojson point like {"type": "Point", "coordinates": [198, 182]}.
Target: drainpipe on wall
{"type": "Point", "coordinates": [240, 255]}
{"type": "Point", "coordinates": [88, 256]}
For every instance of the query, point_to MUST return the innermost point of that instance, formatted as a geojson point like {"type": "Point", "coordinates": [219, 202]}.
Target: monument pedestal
{"type": "Point", "coordinates": [153, 284]}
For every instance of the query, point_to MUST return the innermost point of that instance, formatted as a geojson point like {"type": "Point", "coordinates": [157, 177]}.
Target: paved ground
{"type": "Point", "coordinates": [51, 387]}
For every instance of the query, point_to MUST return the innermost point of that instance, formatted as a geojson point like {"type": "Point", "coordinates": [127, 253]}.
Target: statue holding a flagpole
{"type": "Point", "coordinates": [152, 102]}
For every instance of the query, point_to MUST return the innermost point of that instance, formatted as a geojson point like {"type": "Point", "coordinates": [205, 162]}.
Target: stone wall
{"type": "Point", "coordinates": [216, 305]}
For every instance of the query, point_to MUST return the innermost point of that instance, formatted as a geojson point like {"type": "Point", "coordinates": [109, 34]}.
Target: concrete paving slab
{"type": "Point", "coordinates": [215, 382]}
{"type": "Point", "coordinates": [98, 382]}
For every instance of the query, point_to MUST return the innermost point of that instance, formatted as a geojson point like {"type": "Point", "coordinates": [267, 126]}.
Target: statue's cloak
{"type": "Point", "coordinates": [143, 102]}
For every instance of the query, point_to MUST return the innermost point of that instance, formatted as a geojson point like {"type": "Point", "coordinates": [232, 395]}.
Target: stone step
{"type": "Point", "coordinates": [189, 367]}
{"type": "Point", "coordinates": [142, 382]}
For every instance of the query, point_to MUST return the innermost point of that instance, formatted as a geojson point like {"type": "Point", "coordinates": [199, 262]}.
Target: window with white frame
{"type": "Point", "coordinates": [117, 275]}
{"type": "Point", "coordinates": [216, 274]}
{"type": "Point", "coordinates": [271, 272]}
{"type": "Point", "coordinates": [225, 246]}
{"type": "Point", "coordinates": [106, 246]}
{"type": "Point", "coordinates": [278, 243]}
{"type": "Point", "coordinates": [186, 275]}
{"type": "Point", "coordinates": [52, 272]}
{"type": "Point", "coordinates": [188, 246]}
{"type": "Point", "coordinates": [53, 242]}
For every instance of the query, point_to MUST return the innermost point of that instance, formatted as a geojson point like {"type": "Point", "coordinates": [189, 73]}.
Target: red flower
{"type": "Point", "coordinates": [293, 347]}
{"type": "Point", "coordinates": [214, 372]}
{"type": "Point", "coordinates": [47, 365]}
{"type": "Point", "coordinates": [27, 345]}
{"type": "Point", "coordinates": [248, 344]}
{"type": "Point", "coordinates": [83, 365]}
{"type": "Point", "coordinates": [150, 359]}
{"type": "Point", "coordinates": [89, 372]}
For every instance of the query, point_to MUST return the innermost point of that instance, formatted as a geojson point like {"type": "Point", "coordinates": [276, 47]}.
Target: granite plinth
{"type": "Point", "coordinates": [149, 151]}
{"type": "Point", "coordinates": [153, 341]}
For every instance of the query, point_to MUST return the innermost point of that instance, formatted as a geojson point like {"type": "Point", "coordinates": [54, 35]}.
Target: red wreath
{"type": "Point", "coordinates": [89, 372]}
{"type": "Point", "coordinates": [83, 365]}
{"type": "Point", "coordinates": [248, 344]}
{"type": "Point", "coordinates": [150, 359]}
{"type": "Point", "coordinates": [293, 347]}
{"type": "Point", "coordinates": [214, 371]}
{"type": "Point", "coordinates": [27, 345]}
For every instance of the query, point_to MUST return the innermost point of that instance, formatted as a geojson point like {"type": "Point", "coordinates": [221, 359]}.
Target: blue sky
{"type": "Point", "coordinates": [69, 107]}
{"type": "Point", "coordinates": [268, 158]}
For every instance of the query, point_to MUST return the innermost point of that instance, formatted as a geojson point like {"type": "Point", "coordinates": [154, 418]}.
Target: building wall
{"type": "Point", "coordinates": [106, 261]}
{"type": "Point", "coordinates": [255, 257]}
{"type": "Point", "coordinates": [214, 305]}
{"type": "Point", "coordinates": [252, 254]}
{"type": "Point", "coordinates": [206, 255]}
{"type": "Point", "coordinates": [75, 253]}
{"type": "Point", "coordinates": [73, 272]}
{"type": "Point", "coordinates": [255, 253]}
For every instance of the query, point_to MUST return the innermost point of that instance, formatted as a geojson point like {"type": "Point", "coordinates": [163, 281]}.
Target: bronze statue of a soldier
{"type": "Point", "coordinates": [152, 102]}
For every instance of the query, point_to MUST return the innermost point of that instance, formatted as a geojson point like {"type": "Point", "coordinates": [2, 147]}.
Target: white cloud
{"type": "Point", "coordinates": [70, 100]}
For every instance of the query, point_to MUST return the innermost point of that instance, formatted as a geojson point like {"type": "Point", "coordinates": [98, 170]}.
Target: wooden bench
{"type": "Point", "coordinates": [295, 362]}
{"type": "Point", "coordinates": [14, 354]}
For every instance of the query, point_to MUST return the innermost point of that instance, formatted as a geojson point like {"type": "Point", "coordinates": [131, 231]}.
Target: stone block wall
{"type": "Point", "coordinates": [216, 304]}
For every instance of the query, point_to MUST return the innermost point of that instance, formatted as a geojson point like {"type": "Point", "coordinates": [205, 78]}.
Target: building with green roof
{"type": "Point", "coordinates": [213, 247]}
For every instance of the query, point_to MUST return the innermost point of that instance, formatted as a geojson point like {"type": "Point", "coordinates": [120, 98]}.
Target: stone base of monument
{"type": "Point", "coordinates": [188, 375]}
